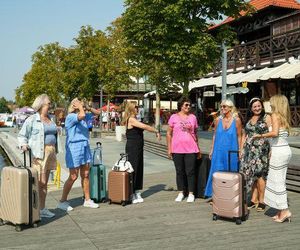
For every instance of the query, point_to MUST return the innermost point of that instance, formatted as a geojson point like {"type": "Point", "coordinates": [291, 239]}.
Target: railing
{"type": "Point", "coordinates": [265, 51]}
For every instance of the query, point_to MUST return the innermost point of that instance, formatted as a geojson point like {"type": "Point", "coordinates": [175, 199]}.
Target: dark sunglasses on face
{"type": "Point", "coordinates": [187, 105]}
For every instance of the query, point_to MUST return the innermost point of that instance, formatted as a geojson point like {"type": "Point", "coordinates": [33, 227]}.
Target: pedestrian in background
{"type": "Point", "coordinates": [255, 153]}
{"type": "Point", "coordinates": [78, 154]}
{"type": "Point", "coordinates": [275, 194]}
{"type": "Point", "coordinates": [135, 148]}
{"type": "Point", "coordinates": [227, 137]}
{"type": "Point", "coordinates": [182, 141]}
{"type": "Point", "coordinates": [40, 134]}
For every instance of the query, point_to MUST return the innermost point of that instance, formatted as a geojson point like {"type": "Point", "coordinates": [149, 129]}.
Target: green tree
{"type": "Point", "coordinates": [45, 75]}
{"type": "Point", "coordinates": [4, 106]}
{"type": "Point", "coordinates": [176, 33]}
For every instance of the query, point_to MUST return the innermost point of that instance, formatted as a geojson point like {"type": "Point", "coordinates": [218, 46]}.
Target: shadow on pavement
{"type": "Point", "coordinates": [153, 189]}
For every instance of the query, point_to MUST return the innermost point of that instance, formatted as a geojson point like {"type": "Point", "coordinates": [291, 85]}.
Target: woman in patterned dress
{"type": "Point", "coordinates": [275, 194]}
{"type": "Point", "coordinates": [255, 154]}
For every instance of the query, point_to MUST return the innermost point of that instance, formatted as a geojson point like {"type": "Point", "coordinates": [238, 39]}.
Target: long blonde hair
{"type": "Point", "coordinates": [280, 107]}
{"type": "Point", "coordinates": [230, 104]}
{"type": "Point", "coordinates": [39, 102]}
{"type": "Point", "coordinates": [129, 111]}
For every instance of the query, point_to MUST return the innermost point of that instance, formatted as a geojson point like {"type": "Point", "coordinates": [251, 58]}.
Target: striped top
{"type": "Point", "coordinates": [281, 139]}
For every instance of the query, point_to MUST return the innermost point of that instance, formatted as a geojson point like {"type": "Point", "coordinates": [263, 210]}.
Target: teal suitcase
{"type": "Point", "coordinates": [97, 177]}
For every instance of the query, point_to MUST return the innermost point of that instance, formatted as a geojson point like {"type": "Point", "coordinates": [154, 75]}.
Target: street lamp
{"type": "Point", "coordinates": [224, 71]}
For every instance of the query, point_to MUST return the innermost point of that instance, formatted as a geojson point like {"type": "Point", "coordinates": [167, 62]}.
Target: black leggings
{"type": "Point", "coordinates": [185, 171]}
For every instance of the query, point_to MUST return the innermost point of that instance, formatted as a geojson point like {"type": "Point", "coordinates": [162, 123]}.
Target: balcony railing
{"type": "Point", "coordinates": [263, 52]}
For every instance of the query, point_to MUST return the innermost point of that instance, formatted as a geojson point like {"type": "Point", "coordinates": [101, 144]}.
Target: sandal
{"type": "Point", "coordinates": [252, 205]}
{"type": "Point", "coordinates": [261, 207]}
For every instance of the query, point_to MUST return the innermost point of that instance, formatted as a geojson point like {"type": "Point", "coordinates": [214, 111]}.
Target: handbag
{"type": "Point", "coordinates": [123, 164]}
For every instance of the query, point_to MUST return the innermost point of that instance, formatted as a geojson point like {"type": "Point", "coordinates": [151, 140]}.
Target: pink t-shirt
{"type": "Point", "coordinates": [184, 137]}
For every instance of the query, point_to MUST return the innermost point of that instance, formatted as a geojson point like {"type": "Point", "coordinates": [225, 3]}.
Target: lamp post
{"type": "Point", "coordinates": [100, 106]}
{"type": "Point", "coordinates": [224, 71]}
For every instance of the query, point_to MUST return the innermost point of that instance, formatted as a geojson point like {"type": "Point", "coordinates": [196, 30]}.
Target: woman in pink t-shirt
{"type": "Point", "coordinates": [183, 147]}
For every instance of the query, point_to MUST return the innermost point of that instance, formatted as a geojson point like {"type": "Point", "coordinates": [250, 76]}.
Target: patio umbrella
{"type": "Point", "coordinates": [25, 110]}
{"type": "Point", "coordinates": [111, 106]}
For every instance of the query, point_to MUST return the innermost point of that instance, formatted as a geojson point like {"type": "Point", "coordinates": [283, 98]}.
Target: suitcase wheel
{"type": "Point", "coordinates": [1, 222]}
{"type": "Point", "coordinates": [18, 228]}
{"type": "Point", "coordinates": [215, 217]}
{"type": "Point", "coordinates": [109, 201]}
{"type": "Point", "coordinates": [123, 203]}
{"type": "Point", "coordinates": [238, 221]}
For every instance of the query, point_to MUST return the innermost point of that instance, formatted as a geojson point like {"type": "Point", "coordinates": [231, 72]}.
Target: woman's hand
{"type": "Point", "coordinates": [199, 155]}
{"type": "Point", "coordinates": [210, 154]}
{"type": "Point", "coordinates": [24, 148]}
{"type": "Point", "coordinates": [256, 136]}
{"type": "Point", "coordinates": [169, 154]}
{"type": "Point", "coordinates": [77, 104]}
{"type": "Point", "coordinates": [158, 136]}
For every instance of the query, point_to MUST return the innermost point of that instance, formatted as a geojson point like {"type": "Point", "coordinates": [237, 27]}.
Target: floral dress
{"type": "Point", "coordinates": [255, 154]}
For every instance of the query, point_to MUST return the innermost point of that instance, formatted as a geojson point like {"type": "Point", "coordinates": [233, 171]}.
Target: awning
{"type": "Point", "coordinates": [288, 70]}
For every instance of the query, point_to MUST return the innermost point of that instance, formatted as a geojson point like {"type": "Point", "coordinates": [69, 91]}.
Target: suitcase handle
{"type": "Point", "coordinates": [24, 153]}
{"type": "Point", "coordinates": [230, 152]}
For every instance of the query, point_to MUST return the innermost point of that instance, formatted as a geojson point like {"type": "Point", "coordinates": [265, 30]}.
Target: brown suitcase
{"type": "Point", "coordinates": [120, 186]}
{"type": "Point", "coordinates": [229, 195]}
{"type": "Point", "coordinates": [19, 200]}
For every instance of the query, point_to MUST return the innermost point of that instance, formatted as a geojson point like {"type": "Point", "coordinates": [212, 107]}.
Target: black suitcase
{"type": "Point", "coordinates": [201, 175]}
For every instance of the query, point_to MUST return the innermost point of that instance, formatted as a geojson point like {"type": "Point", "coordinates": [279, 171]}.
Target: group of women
{"type": "Point", "coordinates": [263, 161]}
{"type": "Point", "coordinates": [263, 149]}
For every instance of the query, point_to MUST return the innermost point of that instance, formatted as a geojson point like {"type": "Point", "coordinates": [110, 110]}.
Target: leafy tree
{"type": "Point", "coordinates": [3, 106]}
{"type": "Point", "coordinates": [176, 33]}
{"type": "Point", "coordinates": [45, 75]}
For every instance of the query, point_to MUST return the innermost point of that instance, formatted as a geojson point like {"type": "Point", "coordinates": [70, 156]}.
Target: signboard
{"type": "Point", "coordinates": [208, 93]}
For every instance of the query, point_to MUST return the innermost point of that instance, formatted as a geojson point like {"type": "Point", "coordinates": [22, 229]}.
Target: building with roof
{"type": "Point", "coordinates": [266, 58]}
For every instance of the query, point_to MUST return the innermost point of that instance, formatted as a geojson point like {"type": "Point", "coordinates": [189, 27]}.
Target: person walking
{"type": "Point", "coordinates": [255, 153]}
{"type": "Point", "coordinates": [276, 194]}
{"type": "Point", "coordinates": [135, 148]}
{"type": "Point", "coordinates": [182, 142]}
{"type": "Point", "coordinates": [78, 155]}
{"type": "Point", "coordinates": [227, 136]}
{"type": "Point", "coordinates": [40, 134]}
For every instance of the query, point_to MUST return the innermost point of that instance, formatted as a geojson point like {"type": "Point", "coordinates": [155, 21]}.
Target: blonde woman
{"type": "Point", "coordinates": [227, 136]}
{"type": "Point", "coordinates": [135, 148]}
{"type": "Point", "coordinates": [39, 134]}
{"type": "Point", "coordinates": [275, 193]}
{"type": "Point", "coordinates": [78, 154]}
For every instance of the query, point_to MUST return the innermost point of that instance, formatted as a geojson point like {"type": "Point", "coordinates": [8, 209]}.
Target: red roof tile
{"type": "Point", "coordinates": [261, 4]}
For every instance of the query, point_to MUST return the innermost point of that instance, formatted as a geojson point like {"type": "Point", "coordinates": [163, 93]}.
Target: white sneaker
{"type": "Point", "coordinates": [90, 203]}
{"type": "Point", "coordinates": [45, 213]}
{"type": "Point", "coordinates": [191, 198]}
{"type": "Point", "coordinates": [180, 197]}
{"type": "Point", "coordinates": [134, 199]}
{"type": "Point", "coordinates": [138, 197]}
{"type": "Point", "coordinates": [64, 206]}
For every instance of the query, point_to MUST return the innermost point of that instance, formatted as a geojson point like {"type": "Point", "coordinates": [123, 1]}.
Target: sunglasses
{"type": "Point", "coordinates": [187, 105]}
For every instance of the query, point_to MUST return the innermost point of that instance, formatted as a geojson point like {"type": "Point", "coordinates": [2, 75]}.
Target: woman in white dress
{"type": "Point", "coordinates": [275, 193]}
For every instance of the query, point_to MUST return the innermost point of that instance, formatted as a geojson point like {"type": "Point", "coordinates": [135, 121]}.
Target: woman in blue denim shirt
{"type": "Point", "coordinates": [78, 154]}
{"type": "Point", "coordinates": [39, 134]}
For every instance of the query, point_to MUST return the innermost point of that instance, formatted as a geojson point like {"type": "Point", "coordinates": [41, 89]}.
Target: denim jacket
{"type": "Point", "coordinates": [32, 134]}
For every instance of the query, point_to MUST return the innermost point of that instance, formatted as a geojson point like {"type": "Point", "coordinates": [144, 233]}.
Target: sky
{"type": "Point", "coordinates": [27, 24]}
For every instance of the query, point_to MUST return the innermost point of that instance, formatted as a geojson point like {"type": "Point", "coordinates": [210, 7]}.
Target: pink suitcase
{"type": "Point", "coordinates": [19, 199]}
{"type": "Point", "coordinates": [230, 195]}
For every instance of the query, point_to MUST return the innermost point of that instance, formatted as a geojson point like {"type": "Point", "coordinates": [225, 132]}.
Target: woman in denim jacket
{"type": "Point", "coordinates": [39, 134]}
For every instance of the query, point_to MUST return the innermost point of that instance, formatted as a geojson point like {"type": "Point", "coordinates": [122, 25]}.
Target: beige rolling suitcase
{"type": "Point", "coordinates": [19, 200]}
{"type": "Point", "coordinates": [229, 195]}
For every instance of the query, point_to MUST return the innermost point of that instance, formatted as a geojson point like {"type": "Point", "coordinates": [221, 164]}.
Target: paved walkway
{"type": "Point", "coordinates": [158, 223]}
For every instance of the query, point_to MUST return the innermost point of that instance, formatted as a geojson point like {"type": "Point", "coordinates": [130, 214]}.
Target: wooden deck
{"type": "Point", "coordinates": [158, 223]}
